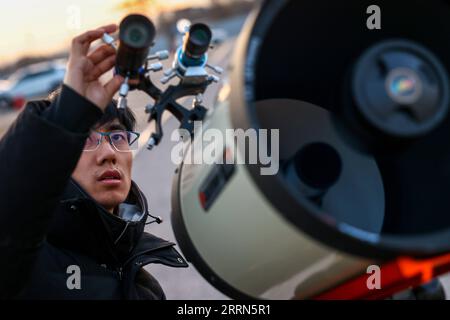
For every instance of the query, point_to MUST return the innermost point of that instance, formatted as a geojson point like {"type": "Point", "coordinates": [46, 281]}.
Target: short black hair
{"type": "Point", "coordinates": [125, 116]}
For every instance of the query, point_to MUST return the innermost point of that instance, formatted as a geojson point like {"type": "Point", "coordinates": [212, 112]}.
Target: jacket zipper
{"type": "Point", "coordinates": [120, 272]}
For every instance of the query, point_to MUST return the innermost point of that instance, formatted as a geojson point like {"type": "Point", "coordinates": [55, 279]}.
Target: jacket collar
{"type": "Point", "coordinates": [82, 225]}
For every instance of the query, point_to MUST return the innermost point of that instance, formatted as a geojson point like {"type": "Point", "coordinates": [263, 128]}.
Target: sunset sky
{"type": "Point", "coordinates": [45, 26]}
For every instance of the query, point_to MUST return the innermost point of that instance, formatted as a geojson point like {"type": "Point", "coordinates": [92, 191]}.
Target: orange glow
{"type": "Point", "coordinates": [397, 275]}
{"type": "Point", "coordinates": [34, 27]}
{"type": "Point", "coordinates": [410, 268]}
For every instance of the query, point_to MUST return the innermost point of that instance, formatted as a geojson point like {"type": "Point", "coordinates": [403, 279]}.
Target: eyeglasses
{"type": "Point", "coordinates": [121, 140]}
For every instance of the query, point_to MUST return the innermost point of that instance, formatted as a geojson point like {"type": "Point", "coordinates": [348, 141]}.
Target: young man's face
{"type": "Point", "coordinates": [105, 173]}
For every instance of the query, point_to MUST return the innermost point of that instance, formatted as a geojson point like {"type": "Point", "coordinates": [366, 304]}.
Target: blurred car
{"type": "Point", "coordinates": [31, 82]}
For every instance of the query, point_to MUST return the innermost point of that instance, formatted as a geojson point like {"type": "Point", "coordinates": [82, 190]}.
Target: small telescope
{"type": "Point", "coordinates": [136, 36]}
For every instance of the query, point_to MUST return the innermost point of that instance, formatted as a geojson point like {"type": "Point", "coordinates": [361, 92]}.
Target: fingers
{"type": "Point", "coordinates": [113, 86]}
{"type": "Point", "coordinates": [101, 68]}
{"type": "Point", "coordinates": [81, 43]}
{"type": "Point", "coordinates": [110, 28]}
{"type": "Point", "coordinates": [101, 54]}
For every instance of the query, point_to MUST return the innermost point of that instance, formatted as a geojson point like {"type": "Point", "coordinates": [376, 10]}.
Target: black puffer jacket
{"type": "Point", "coordinates": [48, 223]}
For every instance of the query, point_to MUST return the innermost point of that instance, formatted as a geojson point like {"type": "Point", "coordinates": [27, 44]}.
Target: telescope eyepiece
{"type": "Point", "coordinates": [197, 40]}
{"type": "Point", "coordinates": [136, 35]}
{"type": "Point", "coordinates": [137, 31]}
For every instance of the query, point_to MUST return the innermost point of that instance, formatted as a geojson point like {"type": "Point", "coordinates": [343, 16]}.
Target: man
{"type": "Point", "coordinates": [71, 219]}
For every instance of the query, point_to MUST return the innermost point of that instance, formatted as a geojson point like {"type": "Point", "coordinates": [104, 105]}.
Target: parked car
{"type": "Point", "coordinates": [31, 82]}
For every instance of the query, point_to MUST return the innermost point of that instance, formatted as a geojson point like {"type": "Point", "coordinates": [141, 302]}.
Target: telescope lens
{"type": "Point", "coordinates": [137, 31]}
{"type": "Point", "coordinates": [200, 37]}
{"type": "Point", "coordinates": [198, 40]}
{"type": "Point", "coordinates": [136, 36]}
